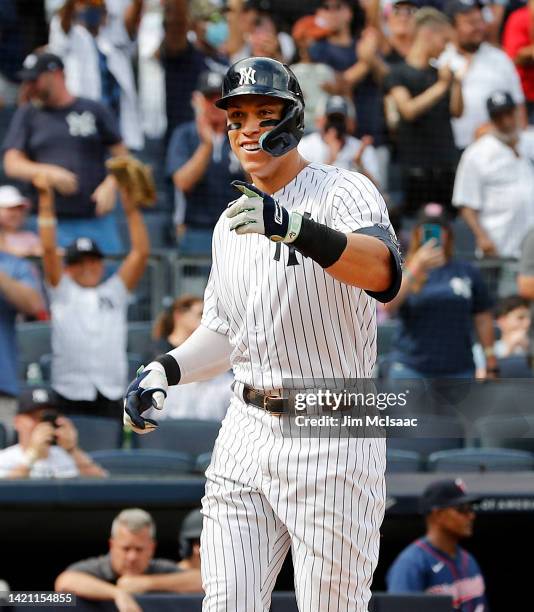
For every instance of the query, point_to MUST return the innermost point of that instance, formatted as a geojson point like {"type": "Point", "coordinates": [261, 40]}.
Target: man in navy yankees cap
{"type": "Point", "coordinates": [298, 262]}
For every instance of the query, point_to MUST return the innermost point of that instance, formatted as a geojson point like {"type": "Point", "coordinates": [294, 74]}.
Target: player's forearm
{"type": "Point", "coordinates": [204, 355]}
{"type": "Point", "coordinates": [85, 585]}
{"type": "Point", "coordinates": [189, 581]}
{"type": "Point", "coordinates": [365, 263]}
{"type": "Point", "coordinates": [192, 171]}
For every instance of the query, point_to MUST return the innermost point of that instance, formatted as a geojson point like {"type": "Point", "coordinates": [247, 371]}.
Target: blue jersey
{"type": "Point", "coordinates": [421, 568]}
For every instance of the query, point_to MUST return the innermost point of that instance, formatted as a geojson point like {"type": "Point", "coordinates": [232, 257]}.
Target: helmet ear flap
{"type": "Point", "coordinates": [286, 134]}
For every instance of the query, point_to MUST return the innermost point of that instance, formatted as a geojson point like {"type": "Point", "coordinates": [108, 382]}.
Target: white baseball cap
{"type": "Point", "coordinates": [10, 196]}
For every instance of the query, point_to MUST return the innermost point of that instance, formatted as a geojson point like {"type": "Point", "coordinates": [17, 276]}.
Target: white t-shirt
{"type": "Point", "coordinates": [491, 179]}
{"type": "Point", "coordinates": [490, 70]}
{"type": "Point", "coordinates": [58, 463]}
{"type": "Point", "coordinates": [89, 336]}
{"type": "Point", "coordinates": [314, 149]}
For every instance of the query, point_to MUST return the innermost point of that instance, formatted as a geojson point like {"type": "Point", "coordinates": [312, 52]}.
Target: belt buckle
{"type": "Point", "coordinates": [266, 398]}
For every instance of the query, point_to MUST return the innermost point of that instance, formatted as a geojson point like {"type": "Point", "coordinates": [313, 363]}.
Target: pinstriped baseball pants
{"type": "Point", "coordinates": [267, 492]}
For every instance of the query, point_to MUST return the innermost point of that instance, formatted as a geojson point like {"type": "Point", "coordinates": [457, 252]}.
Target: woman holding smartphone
{"type": "Point", "coordinates": [441, 302]}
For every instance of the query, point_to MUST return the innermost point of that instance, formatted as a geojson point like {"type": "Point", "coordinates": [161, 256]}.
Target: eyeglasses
{"type": "Point", "coordinates": [464, 509]}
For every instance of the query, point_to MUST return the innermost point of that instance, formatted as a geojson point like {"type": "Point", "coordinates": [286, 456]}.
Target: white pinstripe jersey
{"type": "Point", "coordinates": [286, 318]}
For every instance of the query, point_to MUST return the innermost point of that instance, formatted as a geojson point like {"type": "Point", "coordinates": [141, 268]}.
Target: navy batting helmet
{"type": "Point", "coordinates": [190, 530]}
{"type": "Point", "coordinates": [268, 77]}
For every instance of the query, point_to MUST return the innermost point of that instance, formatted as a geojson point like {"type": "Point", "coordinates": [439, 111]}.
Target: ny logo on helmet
{"type": "Point", "coordinates": [247, 76]}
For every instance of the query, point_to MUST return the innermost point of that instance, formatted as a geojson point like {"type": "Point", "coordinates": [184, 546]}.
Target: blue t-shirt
{"type": "Point", "coordinates": [211, 195]}
{"type": "Point", "coordinates": [367, 95]}
{"type": "Point", "coordinates": [421, 568]}
{"type": "Point", "coordinates": [23, 272]}
{"type": "Point", "coordinates": [181, 76]}
{"type": "Point", "coordinates": [435, 334]}
{"type": "Point", "coordinates": [75, 137]}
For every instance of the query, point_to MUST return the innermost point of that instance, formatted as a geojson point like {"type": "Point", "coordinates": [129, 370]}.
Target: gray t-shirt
{"type": "Point", "coordinates": [100, 567]}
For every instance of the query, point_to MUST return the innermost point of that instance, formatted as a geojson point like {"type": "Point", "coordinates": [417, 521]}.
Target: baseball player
{"type": "Point", "coordinates": [298, 261]}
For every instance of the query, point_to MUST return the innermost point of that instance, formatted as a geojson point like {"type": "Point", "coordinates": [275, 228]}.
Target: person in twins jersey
{"type": "Point", "coordinates": [280, 312]}
{"type": "Point", "coordinates": [436, 563]}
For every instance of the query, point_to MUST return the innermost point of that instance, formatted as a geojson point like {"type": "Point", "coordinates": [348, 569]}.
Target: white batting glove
{"type": "Point", "coordinates": [148, 390]}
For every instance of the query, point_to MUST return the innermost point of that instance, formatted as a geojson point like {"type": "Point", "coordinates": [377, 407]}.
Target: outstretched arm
{"type": "Point", "coordinates": [47, 222]}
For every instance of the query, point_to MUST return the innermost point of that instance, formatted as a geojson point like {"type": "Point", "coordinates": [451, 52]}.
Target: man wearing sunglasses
{"type": "Point", "coordinates": [436, 563]}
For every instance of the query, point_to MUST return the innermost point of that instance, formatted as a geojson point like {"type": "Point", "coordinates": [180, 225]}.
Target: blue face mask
{"type": "Point", "coordinates": [91, 17]}
{"type": "Point", "coordinates": [217, 33]}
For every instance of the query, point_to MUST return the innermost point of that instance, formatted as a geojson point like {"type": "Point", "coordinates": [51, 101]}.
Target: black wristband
{"type": "Point", "coordinates": [171, 367]}
{"type": "Point", "coordinates": [320, 242]}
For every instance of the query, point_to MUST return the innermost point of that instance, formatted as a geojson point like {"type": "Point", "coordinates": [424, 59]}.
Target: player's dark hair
{"type": "Point", "coordinates": [508, 304]}
{"type": "Point", "coordinates": [164, 324]}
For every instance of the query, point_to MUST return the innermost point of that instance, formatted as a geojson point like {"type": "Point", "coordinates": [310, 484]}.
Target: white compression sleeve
{"type": "Point", "coordinates": [204, 355]}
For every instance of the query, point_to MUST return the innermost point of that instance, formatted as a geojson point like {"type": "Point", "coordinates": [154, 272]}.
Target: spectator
{"type": "Point", "coordinates": [13, 211]}
{"type": "Point", "coordinates": [316, 78]}
{"type": "Point", "coordinates": [48, 442]}
{"type": "Point", "coordinates": [182, 63]}
{"type": "Point", "coordinates": [201, 400]}
{"type": "Point", "coordinates": [89, 317]}
{"type": "Point", "coordinates": [94, 67]}
{"type": "Point", "coordinates": [518, 42]}
{"type": "Point", "coordinates": [437, 563]}
{"type": "Point", "coordinates": [333, 143]}
{"type": "Point", "coordinates": [426, 100]}
{"type": "Point", "coordinates": [439, 302]}
{"type": "Point", "coordinates": [253, 32]}
{"type": "Point", "coordinates": [128, 568]}
{"type": "Point", "coordinates": [481, 68]}
{"type": "Point", "coordinates": [190, 533]}
{"type": "Point", "coordinates": [525, 281]}
{"type": "Point", "coordinates": [202, 166]}
{"type": "Point", "coordinates": [400, 30]}
{"type": "Point", "coordinates": [359, 63]}
{"type": "Point", "coordinates": [495, 181]}
{"type": "Point", "coordinates": [512, 316]}
{"type": "Point", "coordinates": [19, 293]}
{"type": "Point", "coordinates": [67, 139]}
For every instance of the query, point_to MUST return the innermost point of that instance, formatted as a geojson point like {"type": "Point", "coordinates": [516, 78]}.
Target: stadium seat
{"type": "Point", "coordinates": [385, 334]}
{"type": "Point", "coordinates": [33, 341]}
{"type": "Point", "coordinates": [97, 433]}
{"type": "Point", "coordinates": [139, 337]}
{"type": "Point", "coordinates": [464, 240]}
{"type": "Point", "coordinates": [403, 461]}
{"type": "Point", "coordinates": [192, 436]}
{"type": "Point", "coordinates": [515, 432]}
{"type": "Point", "coordinates": [481, 460]}
{"type": "Point", "coordinates": [3, 436]}
{"type": "Point", "coordinates": [134, 361]}
{"type": "Point", "coordinates": [202, 462]}
{"type": "Point", "coordinates": [155, 463]}
{"type": "Point", "coordinates": [433, 433]}
{"type": "Point", "coordinates": [515, 367]}
{"type": "Point", "coordinates": [159, 226]}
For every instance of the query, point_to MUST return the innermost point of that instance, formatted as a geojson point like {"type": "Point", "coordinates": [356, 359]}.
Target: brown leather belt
{"type": "Point", "coordinates": [273, 404]}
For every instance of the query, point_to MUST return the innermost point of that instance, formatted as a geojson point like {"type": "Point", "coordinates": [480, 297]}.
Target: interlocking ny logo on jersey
{"type": "Point", "coordinates": [81, 124]}
{"type": "Point", "coordinates": [247, 76]}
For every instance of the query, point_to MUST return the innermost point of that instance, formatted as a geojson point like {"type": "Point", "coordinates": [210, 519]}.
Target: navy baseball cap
{"type": "Point", "coordinates": [210, 82]}
{"type": "Point", "coordinates": [445, 494]}
{"type": "Point", "coordinates": [36, 64]}
{"type": "Point", "coordinates": [36, 398]}
{"type": "Point", "coordinates": [499, 102]}
{"type": "Point", "coordinates": [80, 248]}
{"type": "Point", "coordinates": [456, 7]}
{"type": "Point", "coordinates": [338, 105]}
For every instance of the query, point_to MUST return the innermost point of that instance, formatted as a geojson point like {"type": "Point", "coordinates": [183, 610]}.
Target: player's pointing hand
{"type": "Point", "coordinates": [255, 212]}
{"type": "Point", "coordinates": [148, 390]}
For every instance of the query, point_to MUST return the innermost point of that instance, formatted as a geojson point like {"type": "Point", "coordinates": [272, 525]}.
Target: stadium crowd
{"type": "Point", "coordinates": [433, 100]}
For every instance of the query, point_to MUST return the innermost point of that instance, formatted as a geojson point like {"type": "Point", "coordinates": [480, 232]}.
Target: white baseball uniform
{"type": "Point", "coordinates": [286, 319]}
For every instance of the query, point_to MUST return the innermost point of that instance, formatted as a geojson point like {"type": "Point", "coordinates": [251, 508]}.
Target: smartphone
{"type": "Point", "coordinates": [50, 416]}
{"type": "Point", "coordinates": [432, 230]}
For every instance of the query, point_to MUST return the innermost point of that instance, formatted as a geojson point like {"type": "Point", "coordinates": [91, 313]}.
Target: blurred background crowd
{"type": "Point", "coordinates": [433, 100]}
